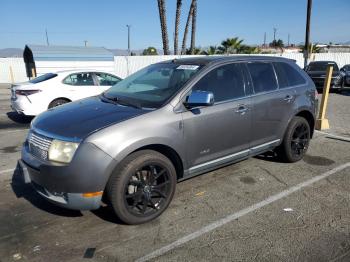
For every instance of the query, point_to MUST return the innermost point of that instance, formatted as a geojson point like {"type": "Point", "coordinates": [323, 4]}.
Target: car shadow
{"type": "Point", "coordinates": [107, 214]}
{"type": "Point", "coordinates": [26, 191]}
{"type": "Point", "coordinates": [18, 118]}
{"type": "Point", "coordinates": [270, 156]}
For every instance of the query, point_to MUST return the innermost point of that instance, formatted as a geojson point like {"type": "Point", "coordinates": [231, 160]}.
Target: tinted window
{"type": "Point", "coordinates": [287, 75]}
{"type": "Point", "coordinates": [79, 79]}
{"type": "Point", "coordinates": [106, 79]}
{"type": "Point", "coordinates": [263, 76]}
{"type": "Point", "coordinates": [225, 82]}
{"type": "Point", "coordinates": [321, 66]}
{"type": "Point", "coordinates": [42, 78]}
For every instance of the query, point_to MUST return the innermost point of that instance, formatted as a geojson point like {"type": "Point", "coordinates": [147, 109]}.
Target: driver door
{"type": "Point", "coordinates": [219, 134]}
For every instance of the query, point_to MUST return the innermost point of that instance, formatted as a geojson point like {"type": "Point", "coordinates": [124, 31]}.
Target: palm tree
{"type": "Point", "coordinates": [163, 26]}
{"type": "Point", "coordinates": [313, 48]}
{"type": "Point", "coordinates": [246, 49]}
{"type": "Point", "coordinates": [193, 33]}
{"type": "Point", "coordinates": [212, 50]}
{"type": "Point", "coordinates": [195, 51]}
{"type": "Point", "coordinates": [177, 22]}
{"type": "Point", "coordinates": [230, 45]}
{"type": "Point", "coordinates": [183, 49]}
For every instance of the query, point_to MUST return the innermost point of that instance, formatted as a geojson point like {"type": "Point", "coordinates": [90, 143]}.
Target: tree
{"type": "Point", "coordinates": [194, 51]}
{"type": "Point", "coordinates": [150, 51]}
{"type": "Point", "coordinates": [277, 43]}
{"type": "Point", "coordinates": [230, 45]}
{"type": "Point", "coordinates": [177, 22]}
{"type": "Point", "coordinates": [163, 26]}
{"type": "Point", "coordinates": [313, 48]}
{"type": "Point", "coordinates": [246, 49]}
{"type": "Point", "coordinates": [193, 30]}
{"type": "Point", "coordinates": [190, 12]}
{"type": "Point", "coordinates": [211, 50]}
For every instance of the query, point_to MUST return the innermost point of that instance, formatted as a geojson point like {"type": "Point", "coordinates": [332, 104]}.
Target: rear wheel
{"type": "Point", "coordinates": [296, 140]}
{"type": "Point", "coordinates": [58, 102]}
{"type": "Point", "coordinates": [142, 187]}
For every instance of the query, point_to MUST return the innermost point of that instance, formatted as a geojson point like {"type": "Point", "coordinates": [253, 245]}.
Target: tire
{"type": "Point", "coordinates": [141, 187]}
{"type": "Point", "coordinates": [293, 148]}
{"type": "Point", "coordinates": [58, 102]}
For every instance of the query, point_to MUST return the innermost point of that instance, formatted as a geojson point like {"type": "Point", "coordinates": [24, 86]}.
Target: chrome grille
{"type": "Point", "coordinates": [39, 145]}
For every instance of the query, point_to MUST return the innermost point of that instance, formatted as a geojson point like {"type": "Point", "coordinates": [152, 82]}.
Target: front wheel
{"type": "Point", "coordinates": [296, 140]}
{"type": "Point", "coordinates": [142, 187]}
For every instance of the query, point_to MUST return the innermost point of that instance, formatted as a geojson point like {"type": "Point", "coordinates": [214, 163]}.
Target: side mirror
{"type": "Point", "coordinates": [198, 99]}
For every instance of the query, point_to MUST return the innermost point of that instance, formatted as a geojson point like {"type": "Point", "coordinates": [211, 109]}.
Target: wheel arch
{"type": "Point", "coordinates": [57, 98]}
{"type": "Point", "coordinates": [309, 118]}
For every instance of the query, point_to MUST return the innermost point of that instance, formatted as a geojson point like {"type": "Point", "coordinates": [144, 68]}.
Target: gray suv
{"type": "Point", "coordinates": [167, 122]}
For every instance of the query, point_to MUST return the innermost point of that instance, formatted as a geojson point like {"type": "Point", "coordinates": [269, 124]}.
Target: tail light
{"type": "Point", "coordinates": [26, 92]}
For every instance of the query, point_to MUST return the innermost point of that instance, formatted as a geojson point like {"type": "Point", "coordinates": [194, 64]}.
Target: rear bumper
{"type": "Point", "coordinates": [23, 106]}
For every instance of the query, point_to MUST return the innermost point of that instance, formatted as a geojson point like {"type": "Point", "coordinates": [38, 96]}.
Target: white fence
{"type": "Point", "coordinates": [126, 65]}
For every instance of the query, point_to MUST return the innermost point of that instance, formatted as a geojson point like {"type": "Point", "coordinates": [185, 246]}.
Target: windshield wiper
{"type": "Point", "coordinates": [120, 101]}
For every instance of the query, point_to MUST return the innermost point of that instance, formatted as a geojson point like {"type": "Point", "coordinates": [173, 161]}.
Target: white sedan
{"type": "Point", "coordinates": [54, 89]}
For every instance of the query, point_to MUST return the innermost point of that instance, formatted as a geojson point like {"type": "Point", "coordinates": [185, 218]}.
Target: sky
{"type": "Point", "coordinates": [103, 22]}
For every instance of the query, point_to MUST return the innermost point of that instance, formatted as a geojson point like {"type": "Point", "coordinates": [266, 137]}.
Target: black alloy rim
{"type": "Point", "coordinates": [147, 190]}
{"type": "Point", "coordinates": [300, 140]}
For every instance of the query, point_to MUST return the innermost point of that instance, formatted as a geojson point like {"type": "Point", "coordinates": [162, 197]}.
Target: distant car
{"type": "Point", "coordinates": [54, 89]}
{"type": "Point", "coordinates": [345, 72]}
{"type": "Point", "coordinates": [317, 71]}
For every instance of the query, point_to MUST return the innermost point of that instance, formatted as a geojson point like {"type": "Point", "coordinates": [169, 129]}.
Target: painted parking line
{"type": "Point", "coordinates": [13, 131]}
{"type": "Point", "coordinates": [329, 135]}
{"type": "Point", "coordinates": [243, 212]}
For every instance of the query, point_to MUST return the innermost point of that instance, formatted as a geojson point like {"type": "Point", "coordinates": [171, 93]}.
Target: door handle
{"type": "Point", "coordinates": [288, 98]}
{"type": "Point", "coordinates": [241, 109]}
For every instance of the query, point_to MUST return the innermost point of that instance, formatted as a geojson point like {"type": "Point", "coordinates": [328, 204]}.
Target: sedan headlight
{"type": "Point", "coordinates": [62, 151]}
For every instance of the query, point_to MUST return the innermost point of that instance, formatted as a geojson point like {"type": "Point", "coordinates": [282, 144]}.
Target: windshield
{"type": "Point", "coordinates": [152, 86]}
{"type": "Point", "coordinates": [321, 66]}
{"type": "Point", "coordinates": [42, 78]}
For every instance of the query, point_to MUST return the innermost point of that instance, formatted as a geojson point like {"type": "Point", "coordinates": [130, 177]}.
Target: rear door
{"type": "Point", "coordinates": [220, 133]}
{"type": "Point", "coordinates": [273, 102]}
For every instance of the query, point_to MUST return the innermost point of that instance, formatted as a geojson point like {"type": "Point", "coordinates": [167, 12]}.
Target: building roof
{"type": "Point", "coordinates": [66, 53]}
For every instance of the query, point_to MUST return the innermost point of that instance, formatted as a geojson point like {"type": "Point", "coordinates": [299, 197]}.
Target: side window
{"type": "Point", "coordinates": [225, 82]}
{"type": "Point", "coordinates": [263, 76]}
{"type": "Point", "coordinates": [287, 75]}
{"type": "Point", "coordinates": [106, 79]}
{"type": "Point", "coordinates": [79, 79]}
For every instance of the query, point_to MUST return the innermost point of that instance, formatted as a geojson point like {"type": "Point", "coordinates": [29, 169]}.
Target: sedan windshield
{"type": "Point", "coordinates": [152, 86]}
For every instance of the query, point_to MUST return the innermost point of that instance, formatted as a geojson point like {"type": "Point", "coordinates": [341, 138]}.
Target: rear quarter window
{"type": "Point", "coordinates": [287, 75]}
{"type": "Point", "coordinates": [263, 76]}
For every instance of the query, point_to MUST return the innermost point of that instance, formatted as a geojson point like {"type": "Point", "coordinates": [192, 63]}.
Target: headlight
{"type": "Point", "coordinates": [62, 151]}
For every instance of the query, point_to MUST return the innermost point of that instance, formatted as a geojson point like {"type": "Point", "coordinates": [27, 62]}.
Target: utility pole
{"type": "Point", "coordinates": [86, 43]}
{"type": "Point", "coordinates": [307, 33]}
{"type": "Point", "coordinates": [274, 34]}
{"type": "Point", "coordinates": [129, 51]}
{"type": "Point", "coordinates": [264, 45]}
{"type": "Point", "coordinates": [47, 38]}
{"type": "Point", "coordinates": [288, 38]}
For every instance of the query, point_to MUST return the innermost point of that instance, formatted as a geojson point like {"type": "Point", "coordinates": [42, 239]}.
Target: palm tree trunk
{"type": "Point", "coordinates": [177, 22]}
{"type": "Point", "coordinates": [163, 26]}
{"type": "Point", "coordinates": [183, 49]}
{"type": "Point", "coordinates": [193, 33]}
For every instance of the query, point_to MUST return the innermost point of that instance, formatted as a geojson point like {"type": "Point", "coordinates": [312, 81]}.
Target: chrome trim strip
{"type": "Point", "coordinates": [265, 144]}
{"type": "Point", "coordinates": [219, 159]}
{"type": "Point", "coordinates": [232, 155]}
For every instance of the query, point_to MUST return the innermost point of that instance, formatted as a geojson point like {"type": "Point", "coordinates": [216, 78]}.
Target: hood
{"type": "Point", "coordinates": [76, 120]}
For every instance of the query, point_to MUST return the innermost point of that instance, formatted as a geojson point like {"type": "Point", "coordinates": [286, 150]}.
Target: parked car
{"type": "Point", "coordinates": [168, 122]}
{"type": "Point", "coordinates": [317, 71]}
{"type": "Point", "coordinates": [345, 73]}
{"type": "Point", "coordinates": [53, 89]}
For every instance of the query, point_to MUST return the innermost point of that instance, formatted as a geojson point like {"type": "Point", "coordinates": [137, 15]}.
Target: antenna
{"type": "Point", "coordinates": [47, 38]}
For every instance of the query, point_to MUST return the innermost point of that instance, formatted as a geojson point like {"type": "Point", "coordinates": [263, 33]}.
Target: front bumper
{"type": "Point", "coordinates": [64, 185]}
{"type": "Point", "coordinates": [319, 82]}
